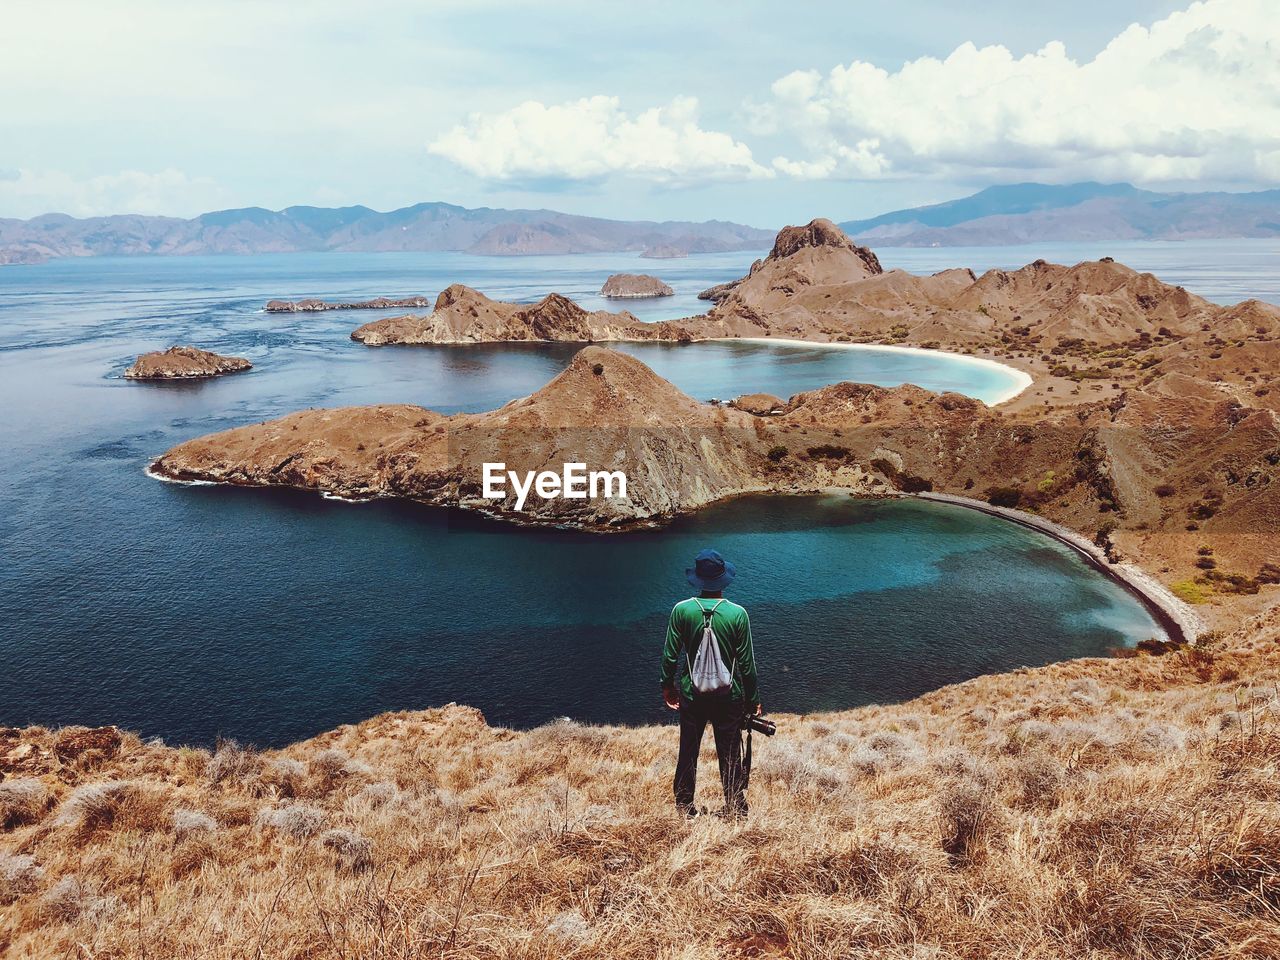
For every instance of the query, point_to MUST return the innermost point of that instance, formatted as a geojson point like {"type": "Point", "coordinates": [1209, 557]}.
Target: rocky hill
{"type": "Point", "coordinates": [464, 315]}
{"type": "Point", "coordinates": [422, 227]}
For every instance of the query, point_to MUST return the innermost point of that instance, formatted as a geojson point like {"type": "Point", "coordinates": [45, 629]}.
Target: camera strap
{"type": "Point", "coordinates": [746, 761]}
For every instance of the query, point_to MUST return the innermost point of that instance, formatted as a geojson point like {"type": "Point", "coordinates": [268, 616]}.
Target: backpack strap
{"type": "Point", "coordinates": [706, 622]}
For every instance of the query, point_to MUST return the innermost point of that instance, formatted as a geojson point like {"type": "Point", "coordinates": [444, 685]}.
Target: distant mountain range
{"type": "Point", "coordinates": [1032, 212]}
{"type": "Point", "coordinates": [1012, 214]}
{"type": "Point", "coordinates": [422, 227]}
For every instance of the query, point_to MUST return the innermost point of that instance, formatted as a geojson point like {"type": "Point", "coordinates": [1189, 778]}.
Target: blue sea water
{"type": "Point", "coordinates": [190, 612]}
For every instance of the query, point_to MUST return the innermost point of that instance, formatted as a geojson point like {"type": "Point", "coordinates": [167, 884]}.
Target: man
{"type": "Point", "coordinates": [724, 709]}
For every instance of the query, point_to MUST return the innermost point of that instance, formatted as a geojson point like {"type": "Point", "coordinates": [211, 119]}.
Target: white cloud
{"type": "Point", "coordinates": [594, 138]}
{"type": "Point", "coordinates": [1195, 96]}
{"type": "Point", "coordinates": [172, 192]}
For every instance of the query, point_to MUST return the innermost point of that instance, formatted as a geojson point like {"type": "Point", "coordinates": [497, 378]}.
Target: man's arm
{"type": "Point", "coordinates": [671, 653]}
{"type": "Point", "coordinates": [747, 664]}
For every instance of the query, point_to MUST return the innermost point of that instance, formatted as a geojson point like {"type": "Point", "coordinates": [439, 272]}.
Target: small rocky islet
{"type": "Point", "coordinates": [184, 363]}
{"type": "Point", "coordinates": [634, 286]}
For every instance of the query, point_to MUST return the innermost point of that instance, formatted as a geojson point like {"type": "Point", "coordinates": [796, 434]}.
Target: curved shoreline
{"type": "Point", "coordinates": [1021, 377]}
{"type": "Point", "coordinates": [1179, 621]}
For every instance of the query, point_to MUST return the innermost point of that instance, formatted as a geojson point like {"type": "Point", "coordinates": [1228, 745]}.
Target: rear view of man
{"type": "Point", "coordinates": [709, 675]}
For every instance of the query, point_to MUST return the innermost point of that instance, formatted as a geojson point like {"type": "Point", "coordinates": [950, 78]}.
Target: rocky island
{"type": "Point", "coordinates": [625, 286]}
{"type": "Point", "coordinates": [665, 251]}
{"type": "Point", "coordinates": [184, 363]}
{"type": "Point", "coordinates": [464, 315]}
{"type": "Point", "coordinates": [316, 306]}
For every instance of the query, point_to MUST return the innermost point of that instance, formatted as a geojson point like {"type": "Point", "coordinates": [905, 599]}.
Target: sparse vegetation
{"type": "Point", "coordinates": [1114, 804]}
{"type": "Point", "coordinates": [1188, 591]}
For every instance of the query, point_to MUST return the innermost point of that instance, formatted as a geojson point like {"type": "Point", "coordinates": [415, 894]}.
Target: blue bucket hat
{"type": "Point", "coordinates": [710, 571]}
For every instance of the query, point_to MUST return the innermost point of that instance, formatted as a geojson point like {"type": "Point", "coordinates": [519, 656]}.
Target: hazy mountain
{"type": "Point", "coordinates": [1027, 212]}
{"type": "Point", "coordinates": [424, 226]}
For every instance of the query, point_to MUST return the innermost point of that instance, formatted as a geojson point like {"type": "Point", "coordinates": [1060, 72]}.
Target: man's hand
{"type": "Point", "coordinates": [759, 709]}
{"type": "Point", "coordinates": [671, 697]}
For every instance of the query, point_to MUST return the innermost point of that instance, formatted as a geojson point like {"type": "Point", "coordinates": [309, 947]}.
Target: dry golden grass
{"type": "Point", "coordinates": [1096, 808]}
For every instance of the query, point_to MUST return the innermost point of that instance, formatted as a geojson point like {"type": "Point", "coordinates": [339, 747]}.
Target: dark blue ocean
{"type": "Point", "coordinates": [192, 612]}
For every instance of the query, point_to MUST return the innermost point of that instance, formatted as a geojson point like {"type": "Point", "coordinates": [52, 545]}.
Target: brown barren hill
{"type": "Point", "coordinates": [464, 315]}
{"type": "Point", "coordinates": [184, 363]}
{"type": "Point", "coordinates": [606, 410]}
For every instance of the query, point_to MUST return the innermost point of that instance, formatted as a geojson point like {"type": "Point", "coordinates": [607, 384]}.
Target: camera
{"type": "Point", "coordinates": [760, 725]}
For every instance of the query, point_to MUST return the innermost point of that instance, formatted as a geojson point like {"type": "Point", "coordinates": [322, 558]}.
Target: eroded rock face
{"type": "Point", "coordinates": [464, 315]}
{"type": "Point", "coordinates": [623, 286]}
{"type": "Point", "coordinates": [184, 363]}
{"type": "Point", "coordinates": [817, 254]}
{"type": "Point", "coordinates": [818, 234]}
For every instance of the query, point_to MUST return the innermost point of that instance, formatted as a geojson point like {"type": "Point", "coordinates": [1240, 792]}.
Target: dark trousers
{"type": "Point", "coordinates": [725, 717]}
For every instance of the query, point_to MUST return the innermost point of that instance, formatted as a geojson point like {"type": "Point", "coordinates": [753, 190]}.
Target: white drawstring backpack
{"type": "Point", "coordinates": [707, 670]}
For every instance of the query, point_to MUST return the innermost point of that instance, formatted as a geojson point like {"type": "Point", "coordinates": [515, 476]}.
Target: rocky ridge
{"type": "Point", "coordinates": [464, 315]}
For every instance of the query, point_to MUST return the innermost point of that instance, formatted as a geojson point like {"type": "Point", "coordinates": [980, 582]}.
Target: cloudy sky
{"type": "Point", "coordinates": [753, 111]}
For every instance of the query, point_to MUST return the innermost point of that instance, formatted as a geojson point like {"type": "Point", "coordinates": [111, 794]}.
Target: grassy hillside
{"type": "Point", "coordinates": [1096, 808]}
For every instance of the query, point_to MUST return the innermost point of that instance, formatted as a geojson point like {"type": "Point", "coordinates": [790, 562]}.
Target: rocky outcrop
{"type": "Point", "coordinates": [184, 363]}
{"type": "Point", "coordinates": [823, 235]}
{"type": "Point", "coordinates": [464, 315]}
{"type": "Point", "coordinates": [815, 255]}
{"type": "Point", "coordinates": [316, 306]}
{"type": "Point", "coordinates": [628, 286]}
{"type": "Point", "coordinates": [719, 291]}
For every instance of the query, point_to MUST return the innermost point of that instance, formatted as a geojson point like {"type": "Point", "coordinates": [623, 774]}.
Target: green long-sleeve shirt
{"type": "Point", "coordinates": [732, 627]}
